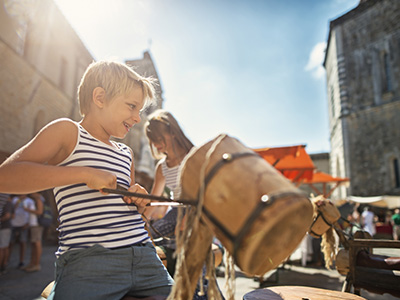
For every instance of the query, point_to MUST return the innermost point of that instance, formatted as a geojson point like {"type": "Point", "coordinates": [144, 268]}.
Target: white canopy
{"type": "Point", "coordinates": [390, 202]}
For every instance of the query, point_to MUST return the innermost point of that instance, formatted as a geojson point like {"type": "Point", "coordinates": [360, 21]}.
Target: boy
{"type": "Point", "coordinates": [104, 250]}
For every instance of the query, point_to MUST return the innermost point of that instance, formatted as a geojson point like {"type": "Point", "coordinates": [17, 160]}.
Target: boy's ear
{"type": "Point", "coordinates": [99, 96]}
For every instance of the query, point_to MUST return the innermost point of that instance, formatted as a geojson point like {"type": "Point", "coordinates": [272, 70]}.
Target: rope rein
{"type": "Point", "coordinates": [182, 278]}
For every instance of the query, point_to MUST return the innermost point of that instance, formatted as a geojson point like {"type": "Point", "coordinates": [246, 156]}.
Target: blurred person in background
{"type": "Point", "coordinates": [6, 213]}
{"type": "Point", "coordinates": [20, 225]}
{"type": "Point", "coordinates": [368, 221]}
{"type": "Point", "coordinates": [395, 220]}
{"type": "Point", "coordinates": [35, 232]}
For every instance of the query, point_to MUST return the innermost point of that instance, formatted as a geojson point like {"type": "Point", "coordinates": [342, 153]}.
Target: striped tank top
{"type": "Point", "coordinates": [166, 225]}
{"type": "Point", "coordinates": [171, 178]}
{"type": "Point", "coordinates": [87, 217]}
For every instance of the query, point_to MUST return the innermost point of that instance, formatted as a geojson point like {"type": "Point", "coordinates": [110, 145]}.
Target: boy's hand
{"type": "Point", "coordinates": [139, 202]}
{"type": "Point", "coordinates": [99, 179]}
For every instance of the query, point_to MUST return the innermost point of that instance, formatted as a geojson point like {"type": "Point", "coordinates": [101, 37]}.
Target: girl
{"type": "Point", "coordinates": [170, 145]}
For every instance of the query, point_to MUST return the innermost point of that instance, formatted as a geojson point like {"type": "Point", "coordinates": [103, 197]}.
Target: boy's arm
{"type": "Point", "coordinates": [136, 188]}
{"type": "Point", "coordinates": [33, 167]}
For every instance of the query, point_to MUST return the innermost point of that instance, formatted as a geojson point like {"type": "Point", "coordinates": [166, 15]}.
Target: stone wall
{"type": "Point", "coordinates": [42, 60]}
{"type": "Point", "coordinates": [29, 101]}
{"type": "Point", "coordinates": [371, 43]}
{"type": "Point", "coordinates": [374, 144]}
{"type": "Point", "coordinates": [364, 49]}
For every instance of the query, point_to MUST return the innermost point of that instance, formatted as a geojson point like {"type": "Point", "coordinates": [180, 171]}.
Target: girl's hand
{"type": "Point", "coordinates": [139, 202]}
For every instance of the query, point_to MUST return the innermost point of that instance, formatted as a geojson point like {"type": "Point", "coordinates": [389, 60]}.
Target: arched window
{"type": "Point", "coordinates": [62, 83]}
{"type": "Point", "coordinates": [39, 122]}
{"type": "Point", "coordinates": [338, 174]}
{"type": "Point", "coordinates": [396, 173]}
{"type": "Point", "coordinates": [386, 74]}
{"type": "Point", "coordinates": [332, 101]}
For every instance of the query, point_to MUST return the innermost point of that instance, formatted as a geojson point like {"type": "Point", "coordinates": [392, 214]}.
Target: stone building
{"type": "Point", "coordinates": [42, 60]}
{"type": "Point", "coordinates": [362, 63]}
{"type": "Point", "coordinates": [321, 163]}
{"type": "Point", "coordinates": [41, 63]}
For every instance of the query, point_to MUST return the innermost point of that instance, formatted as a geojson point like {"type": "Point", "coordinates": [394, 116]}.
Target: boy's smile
{"type": "Point", "coordinates": [124, 112]}
{"type": "Point", "coordinates": [128, 127]}
{"type": "Point", "coordinates": [115, 117]}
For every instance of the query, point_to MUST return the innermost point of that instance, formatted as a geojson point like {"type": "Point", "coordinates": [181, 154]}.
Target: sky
{"type": "Point", "coordinates": [249, 68]}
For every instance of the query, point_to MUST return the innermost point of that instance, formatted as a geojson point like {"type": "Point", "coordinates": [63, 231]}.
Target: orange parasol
{"type": "Point", "coordinates": [292, 161]}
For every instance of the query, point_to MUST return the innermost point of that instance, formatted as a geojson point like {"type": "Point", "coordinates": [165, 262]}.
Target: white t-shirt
{"type": "Point", "coordinates": [33, 219]}
{"type": "Point", "coordinates": [368, 218]}
{"type": "Point", "coordinates": [21, 217]}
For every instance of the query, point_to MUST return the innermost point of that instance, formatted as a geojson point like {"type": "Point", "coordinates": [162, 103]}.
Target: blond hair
{"type": "Point", "coordinates": [116, 79]}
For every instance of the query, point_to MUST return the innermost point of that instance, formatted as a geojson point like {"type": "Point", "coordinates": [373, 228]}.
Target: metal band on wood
{"type": "Point", "coordinates": [265, 201]}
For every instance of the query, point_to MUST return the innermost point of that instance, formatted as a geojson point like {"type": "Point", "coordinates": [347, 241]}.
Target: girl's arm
{"type": "Point", "coordinates": [33, 167]}
{"type": "Point", "coordinates": [159, 181]}
{"type": "Point", "coordinates": [157, 212]}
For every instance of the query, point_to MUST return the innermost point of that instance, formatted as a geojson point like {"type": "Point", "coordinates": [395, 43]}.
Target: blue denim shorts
{"type": "Point", "coordinates": [19, 234]}
{"type": "Point", "coordinates": [100, 273]}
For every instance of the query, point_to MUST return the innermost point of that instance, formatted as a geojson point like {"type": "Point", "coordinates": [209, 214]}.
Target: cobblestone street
{"type": "Point", "coordinates": [19, 285]}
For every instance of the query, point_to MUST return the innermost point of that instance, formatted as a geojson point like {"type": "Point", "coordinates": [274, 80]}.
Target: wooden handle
{"type": "Point", "coordinates": [148, 196]}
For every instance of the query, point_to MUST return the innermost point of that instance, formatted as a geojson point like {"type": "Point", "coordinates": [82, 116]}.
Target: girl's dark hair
{"type": "Point", "coordinates": [161, 122]}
